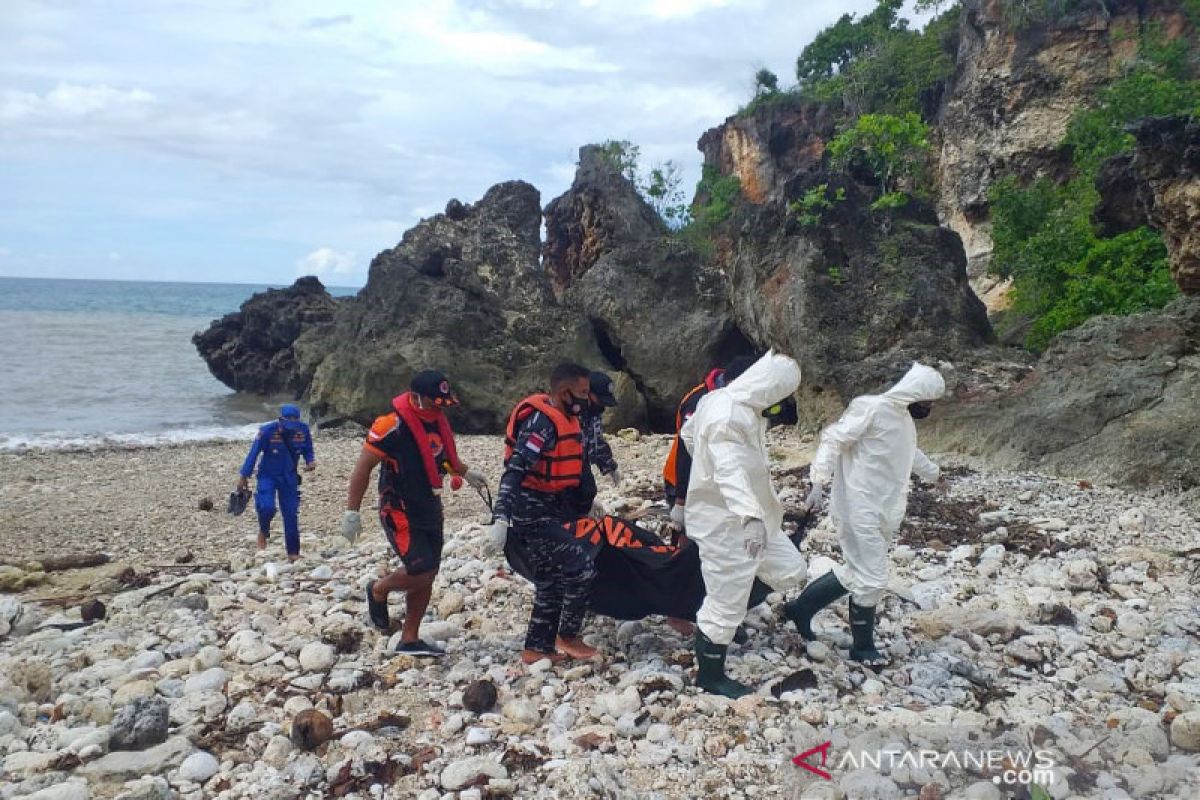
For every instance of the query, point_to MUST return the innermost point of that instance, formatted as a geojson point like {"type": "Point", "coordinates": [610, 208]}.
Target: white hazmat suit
{"type": "Point", "coordinates": [730, 496]}
{"type": "Point", "coordinates": [869, 455]}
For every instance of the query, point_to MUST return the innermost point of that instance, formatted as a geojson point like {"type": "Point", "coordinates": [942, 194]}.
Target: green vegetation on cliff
{"type": "Point", "coordinates": [1043, 236]}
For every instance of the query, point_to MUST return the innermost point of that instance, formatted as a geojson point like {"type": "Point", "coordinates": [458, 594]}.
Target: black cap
{"type": "Point", "coordinates": [602, 387]}
{"type": "Point", "coordinates": [433, 384]}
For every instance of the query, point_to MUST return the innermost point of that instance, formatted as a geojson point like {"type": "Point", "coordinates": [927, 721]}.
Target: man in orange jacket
{"type": "Point", "coordinates": [543, 464]}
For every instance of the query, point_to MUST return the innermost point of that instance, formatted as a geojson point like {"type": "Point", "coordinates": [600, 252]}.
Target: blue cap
{"type": "Point", "coordinates": [289, 411]}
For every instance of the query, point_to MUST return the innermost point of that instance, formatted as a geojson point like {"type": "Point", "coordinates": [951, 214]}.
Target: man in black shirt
{"type": "Point", "coordinates": [415, 445]}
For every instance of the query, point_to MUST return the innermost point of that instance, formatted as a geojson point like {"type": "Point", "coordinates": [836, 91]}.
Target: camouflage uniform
{"type": "Point", "coordinates": [561, 566]}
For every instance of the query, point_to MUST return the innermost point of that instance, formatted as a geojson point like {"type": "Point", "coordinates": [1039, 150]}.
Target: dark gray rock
{"type": "Point", "coordinates": [463, 292]}
{"type": "Point", "coordinates": [252, 349]}
{"type": "Point", "coordinates": [140, 724]}
{"type": "Point", "coordinates": [1113, 401]}
{"type": "Point", "coordinates": [658, 311]}
{"type": "Point", "coordinates": [855, 298]}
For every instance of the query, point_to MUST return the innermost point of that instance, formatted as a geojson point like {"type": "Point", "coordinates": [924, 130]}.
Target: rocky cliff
{"type": "Point", "coordinates": [659, 312]}
{"type": "Point", "coordinates": [1006, 108]}
{"type": "Point", "coordinates": [253, 349]}
{"type": "Point", "coordinates": [1158, 184]}
{"type": "Point", "coordinates": [463, 292]}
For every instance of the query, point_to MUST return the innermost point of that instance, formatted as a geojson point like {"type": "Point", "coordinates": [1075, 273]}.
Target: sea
{"type": "Point", "coordinates": [87, 363]}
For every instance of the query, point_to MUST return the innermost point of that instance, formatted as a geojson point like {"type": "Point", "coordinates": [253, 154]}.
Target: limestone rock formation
{"type": "Point", "coordinates": [462, 292]}
{"type": "Point", "coordinates": [1112, 401]}
{"type": "Point", "coordinates": [856, 298]}
{"type": "Point", "coordinates": [768, 149]}
{"type": "Point", "coordinates": [659, 313]}
{"type": "Point", "coordinates": [1158, 184]}
{"type": "Point", "coordinates": [1006, 108]}
{"type": "Point", "coordinates": [252, 349]}
{"type": "Point", "coordinates": [601, 211]}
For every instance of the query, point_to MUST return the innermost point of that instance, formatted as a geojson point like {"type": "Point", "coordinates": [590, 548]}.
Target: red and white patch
{"type": "Point", "coordinates": [535, 442]}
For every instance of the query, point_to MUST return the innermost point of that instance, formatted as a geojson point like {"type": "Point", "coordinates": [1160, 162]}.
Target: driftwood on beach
{"type": "Point", "coordinates": [62, 563]}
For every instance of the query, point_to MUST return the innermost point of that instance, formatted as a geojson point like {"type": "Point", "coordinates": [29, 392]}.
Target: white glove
{"type": "Point", "coordinates": [351, 526]}
{"type": "Point", "coordinates": [813, 501]}
{"type": "Point", "coordinates": [474, 478]}
{"type": "Point", "coordinates": [677, 516]}
{"type": "Point", "coordinates": [497, 536]}
{"type": "Point", "coordinates": [756, 537]}
{"type": "Point", "coordinates": [598, 510]}
{"type": "Point", "coordinates": [615, 477]}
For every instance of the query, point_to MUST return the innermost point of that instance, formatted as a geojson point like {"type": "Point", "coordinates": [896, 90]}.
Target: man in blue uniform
{"type": "Point", "coordinates": [277, 450]}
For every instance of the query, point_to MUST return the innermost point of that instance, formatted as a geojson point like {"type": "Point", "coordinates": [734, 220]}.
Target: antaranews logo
{"type": "Point", "coordinates": [1004, 766]}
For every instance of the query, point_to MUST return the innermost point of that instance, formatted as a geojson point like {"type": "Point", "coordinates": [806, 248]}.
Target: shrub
{"type": "Point", "coordinates": [1042, 233]}
{"type": "Point", "coordinates": [811, 207]}
{"type": "Point", "coordinates": [661, 186]}
{"type": "Point", "coordinates": [892, 147]}
{"type": "Point", "coordinates": [716, 194]}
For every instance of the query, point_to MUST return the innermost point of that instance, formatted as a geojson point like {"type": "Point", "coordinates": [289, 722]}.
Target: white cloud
{"type": "Point", "coordinates": [68, 102]}
{"type": "Point", "coordinates": [325, 262]}
{"type": "Point", "coordinates": [345, 128]}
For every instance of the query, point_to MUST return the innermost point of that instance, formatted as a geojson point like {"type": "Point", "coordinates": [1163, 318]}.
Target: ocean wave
{"type": "Point", "coordinates": [65, 440]}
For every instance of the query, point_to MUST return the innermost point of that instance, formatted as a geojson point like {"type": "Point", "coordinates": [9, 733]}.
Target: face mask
{"type": "Point", "coordinates": [919, 410]}
{"type": "Point", "coordinates": [573, 405]}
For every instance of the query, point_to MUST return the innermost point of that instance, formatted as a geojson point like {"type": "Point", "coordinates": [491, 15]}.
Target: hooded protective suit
{"type": "Point", "coordinates": [869, 455]}
{"type": "Point", "coordinates": [731, 486]}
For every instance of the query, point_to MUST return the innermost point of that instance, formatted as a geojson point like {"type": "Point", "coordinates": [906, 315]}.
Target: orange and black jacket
{"type": "Point", "coordinates": [678, 469]}
{"type": "Point", "coordinates": [543, 458]}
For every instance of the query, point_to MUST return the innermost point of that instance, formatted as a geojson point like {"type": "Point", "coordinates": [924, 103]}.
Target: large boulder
{"type": "Point", "coordinates": [463, 292]}
{"type": "Point", "coordinates": [1112, 401]}
{"type": "Point", "coordinates": [658, 311]}
{"type": "Point", "coordinates": [251, 350]}
{"type": "Point", "coordinates": [1158, 184]}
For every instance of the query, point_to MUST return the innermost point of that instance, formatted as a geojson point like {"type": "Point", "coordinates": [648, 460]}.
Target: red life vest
{"type": "Point", "coordinates": [559, 468]}
{"type": "Point", "coordinates": [406, 411]}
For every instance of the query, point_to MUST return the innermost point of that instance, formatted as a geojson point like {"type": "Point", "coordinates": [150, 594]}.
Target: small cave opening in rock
{"type": "Point", "coordinates": [733, 343]}
{"type": "Point", "coordinates": [659, 420]}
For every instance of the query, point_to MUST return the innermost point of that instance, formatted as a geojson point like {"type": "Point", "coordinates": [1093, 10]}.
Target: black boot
{"type": "Point", "coordinates": [818, 594]}
{"type": "Point", "coordinates": [862, 628]}
{"type": "Point", "coordinates": [710, 669]}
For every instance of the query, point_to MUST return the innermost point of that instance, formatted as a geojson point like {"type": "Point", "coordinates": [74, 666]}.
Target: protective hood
{"type": "Point", "coordinates": [771, 379]}
{"type": "Point", "coordinates": [919, 384]}
{"type": "Point", "coordinates": [289, 411]}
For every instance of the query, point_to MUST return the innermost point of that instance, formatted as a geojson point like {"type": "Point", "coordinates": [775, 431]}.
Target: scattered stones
{"type": "Point", "coordinates": [140, 724]}
{"type": "Point", "coordinates": [199, 767]}
{"type": "Point", "coordinates": [1106, 678]}
{"type": "Point", "coordinates": [311, 729]}
{"type": "Point", "coordinates": [471, 771]}
{"type": "Point", "coordinates": [480, 697]}
{"type": "Point", "coordinates": [1185, 731]}
{"type": "Point", "coordinates": [317, 657]}
{"type": "Point", "coordinates": [92, 611]}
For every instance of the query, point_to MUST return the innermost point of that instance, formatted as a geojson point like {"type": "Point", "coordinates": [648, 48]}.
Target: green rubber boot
{"type": "Point", "coordinates": [862, 628]}
{"type": "Point", "coordinates": [818, 594]}
{"type": "Point", "coordinates": [710, 669]}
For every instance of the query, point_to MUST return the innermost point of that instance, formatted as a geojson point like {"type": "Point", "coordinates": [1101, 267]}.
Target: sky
{"type": "Point", "coordinates": [254, 141]}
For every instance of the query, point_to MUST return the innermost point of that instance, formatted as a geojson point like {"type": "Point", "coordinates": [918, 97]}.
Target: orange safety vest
{"type": "Point", "coordinates": [558, 469]}
{"type": "Point", "coordinates": [671, 468]}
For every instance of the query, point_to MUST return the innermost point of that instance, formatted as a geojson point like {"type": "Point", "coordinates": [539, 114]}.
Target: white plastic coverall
{"type": "Point", "coordinates": [869, 454]}
{"type": "Point", "coordinates": [731, 485]}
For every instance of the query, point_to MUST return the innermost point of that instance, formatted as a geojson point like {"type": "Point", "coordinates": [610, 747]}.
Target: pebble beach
{"type": "Point", "coordinates": [1030, 614]}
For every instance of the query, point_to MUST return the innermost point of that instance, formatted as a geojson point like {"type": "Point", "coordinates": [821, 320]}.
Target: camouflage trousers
{"type": "Point", "coordinates": [562, 578]}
